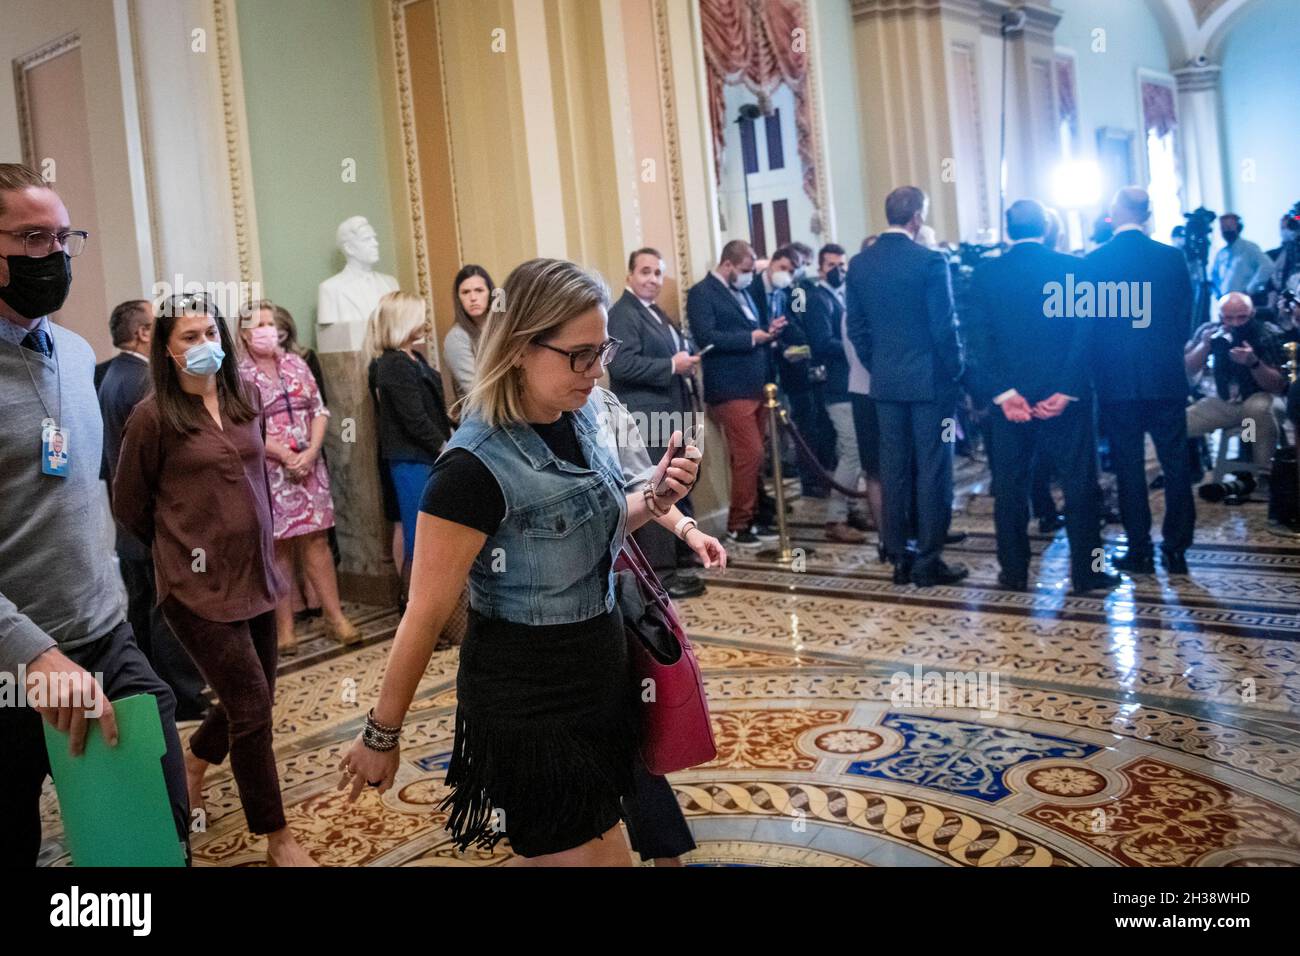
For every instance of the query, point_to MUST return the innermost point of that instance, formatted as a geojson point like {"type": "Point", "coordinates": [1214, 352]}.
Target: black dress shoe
{"type": "Point", "coordinates": [902, 572]}
{"type": "Point", "coordinates": [684, 585]}
{"type": "Point", "coordinates": [1175, 562]}
{"type": "Point", "coordinates": [938, 573]}
{"type": "Point", "coordinates": [1100, 581]}
{"type": "Point", "coordinates": [1051, 524]}
{"type": "Point", "coordinates": [858, 521]}
{"type": "Point", "coordinates": [1135, 563]}
{"type": "Point", "coordinates": [1009, 582]}
{"type": "Point", "coordinates": [957, 537]}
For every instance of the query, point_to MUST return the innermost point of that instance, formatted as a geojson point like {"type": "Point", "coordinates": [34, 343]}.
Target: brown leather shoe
{"type": "Point", "coordinates": [843, 534]}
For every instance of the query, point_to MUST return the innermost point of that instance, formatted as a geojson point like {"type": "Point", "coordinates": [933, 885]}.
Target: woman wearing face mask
{"type": "Point", "coordinates": [413, 423]}
{"type": "Point", "coordinates": [191, 480]}
{"type": "Point", "coordinates": [472, 297]}
{"type": "Point", "coordinates": [294, 420]}
{"type": "Point", "coordinates": [531, 505]}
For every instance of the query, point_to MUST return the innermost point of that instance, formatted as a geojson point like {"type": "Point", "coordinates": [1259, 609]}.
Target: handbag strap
{"type": "Point", "coordinates": [633, 559]}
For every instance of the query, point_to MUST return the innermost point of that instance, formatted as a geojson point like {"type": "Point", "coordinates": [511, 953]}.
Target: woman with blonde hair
{"type": "Point", "coordinates": [413, 424]}
{"type": "Point", "coordinates": [530, 504]}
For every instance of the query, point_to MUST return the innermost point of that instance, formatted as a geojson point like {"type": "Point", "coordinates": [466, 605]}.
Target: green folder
{"type": "Point", "coordinates": [114, 801]}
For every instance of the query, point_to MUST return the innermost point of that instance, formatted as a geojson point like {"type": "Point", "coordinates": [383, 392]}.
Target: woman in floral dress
{"type": "Point", "coordinates": [295, 420]}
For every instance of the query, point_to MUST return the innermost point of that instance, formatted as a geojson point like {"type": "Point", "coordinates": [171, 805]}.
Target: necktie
{"type": "Point", "coordinates": [38, 340]}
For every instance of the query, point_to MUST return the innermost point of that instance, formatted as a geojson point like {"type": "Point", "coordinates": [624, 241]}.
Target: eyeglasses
{"type": "Point", "coordinates": [581, 360]}
{"type": "Point", "coordinates": [37, 243]}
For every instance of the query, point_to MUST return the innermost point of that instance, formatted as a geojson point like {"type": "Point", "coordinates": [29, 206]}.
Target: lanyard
{"type": "Point", "coordinates": [58, 386]}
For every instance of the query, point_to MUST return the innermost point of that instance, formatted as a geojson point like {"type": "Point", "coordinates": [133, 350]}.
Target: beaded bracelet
{"type": "Point", "coordinates": [651, 503]}
{"type": "Point", "coordinates": [379, 737]}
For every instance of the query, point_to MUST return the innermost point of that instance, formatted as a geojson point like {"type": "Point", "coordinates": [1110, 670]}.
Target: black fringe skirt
{"type": "Point", "coordinates": [545, 734]}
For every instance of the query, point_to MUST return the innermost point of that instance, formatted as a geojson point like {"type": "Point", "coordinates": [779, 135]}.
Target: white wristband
{"type": "Point", "coordinates": [682, 524]}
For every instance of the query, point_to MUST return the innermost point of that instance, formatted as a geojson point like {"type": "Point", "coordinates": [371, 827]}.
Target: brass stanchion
{"type": "Point", "coordinates": [1279, 528]}
{"type": "Point", "coordinates": [782, 554]}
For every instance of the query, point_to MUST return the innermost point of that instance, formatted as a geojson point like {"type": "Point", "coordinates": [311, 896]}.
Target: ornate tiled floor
{"type": "Point", "coordinates": [1157, 726]}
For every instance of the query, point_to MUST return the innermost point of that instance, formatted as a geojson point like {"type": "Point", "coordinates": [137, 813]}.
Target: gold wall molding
{"type": "Point", "coordinates": [411, 151]}
{"type": "Point", "coordinates": [673, 151]}
{"type": "Point", "coordinates": [22, 65]}
{"type": "Point", "coordinates": [234, 127]}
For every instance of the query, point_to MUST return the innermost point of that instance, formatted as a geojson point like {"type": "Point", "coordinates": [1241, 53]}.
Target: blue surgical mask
{"type": "Point", "coordinates": [204, 358]}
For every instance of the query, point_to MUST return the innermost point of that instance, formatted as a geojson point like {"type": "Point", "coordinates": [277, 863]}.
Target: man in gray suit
{"type": "Point", "coordinates": [653, 374]}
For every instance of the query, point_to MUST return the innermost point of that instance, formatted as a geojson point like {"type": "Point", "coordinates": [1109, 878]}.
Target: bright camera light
{"type": "Point", "coordinates": [1076, 184]}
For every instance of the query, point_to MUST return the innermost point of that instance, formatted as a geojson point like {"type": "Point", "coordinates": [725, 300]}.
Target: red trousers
{"type": "Point", "coordinates": [744, 422]}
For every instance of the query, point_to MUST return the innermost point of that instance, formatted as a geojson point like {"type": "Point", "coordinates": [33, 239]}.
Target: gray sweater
{"type": "Point", "coordinates": [58, 581]}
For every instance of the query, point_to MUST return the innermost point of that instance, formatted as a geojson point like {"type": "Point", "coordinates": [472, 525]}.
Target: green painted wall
{"type": "Point", "coordinates": [312, 95]}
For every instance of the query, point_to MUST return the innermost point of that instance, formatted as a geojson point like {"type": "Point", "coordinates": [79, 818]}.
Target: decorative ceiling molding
{"type": "Point", "coordinates": [1196, 28]}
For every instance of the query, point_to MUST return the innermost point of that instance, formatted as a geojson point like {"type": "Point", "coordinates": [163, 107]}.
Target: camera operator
{"type": "Point", "coordinates": [1246, 372]}
{"type": "Point", "coordinates": [1286, 257]}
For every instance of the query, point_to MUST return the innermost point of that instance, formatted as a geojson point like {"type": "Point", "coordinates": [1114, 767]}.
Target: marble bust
{"type": "Point", "coordinates": [346, 300]}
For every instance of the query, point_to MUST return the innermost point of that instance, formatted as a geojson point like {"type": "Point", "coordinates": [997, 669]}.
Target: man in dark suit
{"type": "Point", "coordinates": [653, 374]}
{"type": "Point", "coordinates": [1034, 368]}
{"type": "Point", "coordinates": [900, 321]}
{"type": "Point", "coordinates": [727, 321]}
{"type": "Point", "coordinates": [1143, 307]}
{"type": "Point", "coordinates": [126, 381]}
{"type": "Point", "coordinates": [793, 359]}
{"type": "Point", "coordinates": [823, 320]}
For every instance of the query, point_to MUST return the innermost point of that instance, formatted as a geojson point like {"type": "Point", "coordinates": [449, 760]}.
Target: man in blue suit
{"type": "Point", "coordinates": [734, 336]}
{"type": "Point", "coordinates": [1137, 365]}
{"type": "Point", "coordinates": [900, 321]}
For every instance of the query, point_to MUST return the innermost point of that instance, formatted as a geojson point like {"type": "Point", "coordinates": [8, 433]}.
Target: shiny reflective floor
{"type": "Point", "coordinates": [863, 723]}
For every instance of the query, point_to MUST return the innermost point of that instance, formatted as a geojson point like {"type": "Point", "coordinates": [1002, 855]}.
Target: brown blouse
{"type": "Point", "coordinates": [201, 490]}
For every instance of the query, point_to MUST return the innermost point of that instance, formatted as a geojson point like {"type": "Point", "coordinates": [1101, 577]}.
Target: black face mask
{"type": "Point", "coordinates": [37, 287]}
{"type": "Point", "coordinates": [835, 278]}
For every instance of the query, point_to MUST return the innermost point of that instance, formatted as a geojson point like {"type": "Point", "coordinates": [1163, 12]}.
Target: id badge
{"type": "Point", "coordinates": [54, 451]}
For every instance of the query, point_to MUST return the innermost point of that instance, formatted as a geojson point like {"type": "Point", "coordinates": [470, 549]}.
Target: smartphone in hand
{"type": "Point", "coordinates": [659, 481]}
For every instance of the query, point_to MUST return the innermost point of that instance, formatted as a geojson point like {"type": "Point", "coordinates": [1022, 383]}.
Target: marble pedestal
{"type": "Point", "coordinates": [366, 571]}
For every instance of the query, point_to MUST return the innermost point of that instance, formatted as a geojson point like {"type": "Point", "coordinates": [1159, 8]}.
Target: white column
{"type": "Point", "coordinates": [194, 135]}
{"type": "Point", "coordinates": [1198, 127]}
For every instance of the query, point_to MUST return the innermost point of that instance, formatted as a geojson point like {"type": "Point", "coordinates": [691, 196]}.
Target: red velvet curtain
{"type": "Point", "coordinates": [753, 42]}
{"type": "Point", "coordinates": [1067, 102]}
{"type": "Point", "coordinates": [1158, 111]}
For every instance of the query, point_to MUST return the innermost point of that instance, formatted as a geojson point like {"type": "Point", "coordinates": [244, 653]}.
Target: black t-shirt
{"type": "Point", "coordinates": [463, 490]}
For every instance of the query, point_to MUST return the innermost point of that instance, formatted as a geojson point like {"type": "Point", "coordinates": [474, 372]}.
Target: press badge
{"type": "Point", "coordinates": [54, 451]}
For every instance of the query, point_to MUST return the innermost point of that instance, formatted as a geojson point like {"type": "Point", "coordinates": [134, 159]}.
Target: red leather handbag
{"type": "Point", "coordinates": [672, 709]}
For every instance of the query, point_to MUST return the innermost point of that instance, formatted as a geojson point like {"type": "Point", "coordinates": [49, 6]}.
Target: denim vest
{"type": "Point", "coordinates": [543, 565]}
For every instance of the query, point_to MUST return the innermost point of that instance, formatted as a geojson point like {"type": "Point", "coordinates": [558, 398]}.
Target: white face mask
{"type": "Point", "coordinates": [781, 280]}
{"type": "Point", "coordinates": [742, 280]}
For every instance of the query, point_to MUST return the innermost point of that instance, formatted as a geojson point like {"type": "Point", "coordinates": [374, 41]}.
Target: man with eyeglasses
{"type": "Point", "coordinates": [62, 609]}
